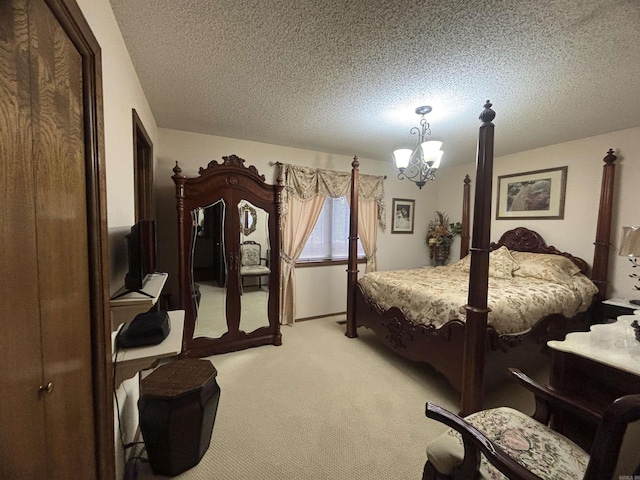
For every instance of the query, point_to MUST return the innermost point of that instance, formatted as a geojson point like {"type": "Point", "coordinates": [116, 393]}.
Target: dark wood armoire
{"type": "Point", "coordinates": [223, 313]}
{"type": "Point", "coordinates": [56, 413]}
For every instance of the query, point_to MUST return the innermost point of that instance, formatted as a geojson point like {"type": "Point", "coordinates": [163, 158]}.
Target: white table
{"type": "Point", "coordinates": [612, 344]}
{"type": "Point", "coordinates": [130, 361]}
{"type": "Point", "coordinates": [595, 367]}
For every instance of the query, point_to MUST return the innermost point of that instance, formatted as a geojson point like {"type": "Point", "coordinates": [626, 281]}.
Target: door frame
{"type": "Point", "coordinates": [73, 22]}
{"type": "Point", "coordinates": [142, 170]}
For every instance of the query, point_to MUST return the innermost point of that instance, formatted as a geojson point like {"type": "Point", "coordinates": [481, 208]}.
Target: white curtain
{"type": "Point", "coordinates": [368, 231]}
{"type": "Point", "coordinates": [296, 228]}
{"type": "Point", "coordinates": [302, 198]}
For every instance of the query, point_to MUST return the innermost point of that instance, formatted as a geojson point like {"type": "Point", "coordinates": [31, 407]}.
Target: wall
{"type": "Point", "coordinates": [122, 92]}
{"type": "Point", "coordinates": [322, 289]}
{"type": "Point", "coordinates": [576, 232]}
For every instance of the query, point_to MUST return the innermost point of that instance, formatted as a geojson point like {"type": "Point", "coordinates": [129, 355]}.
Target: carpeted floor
{"type": "Point", "coordinates": [323, 406]}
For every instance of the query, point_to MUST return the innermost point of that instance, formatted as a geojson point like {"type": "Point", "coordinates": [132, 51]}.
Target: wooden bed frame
{"type": "Point", "coordinates": [471, 355]}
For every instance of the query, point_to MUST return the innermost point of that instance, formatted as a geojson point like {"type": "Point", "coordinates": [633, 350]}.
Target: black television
{"type": "Point", "coordinates": [141, 253]}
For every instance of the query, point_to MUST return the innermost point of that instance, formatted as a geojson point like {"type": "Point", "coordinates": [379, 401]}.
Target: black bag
{"type": "Point", "coordinates": [145, 329]}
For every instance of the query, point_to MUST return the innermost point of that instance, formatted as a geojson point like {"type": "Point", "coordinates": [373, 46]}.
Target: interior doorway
{"type": "Point", "coordinates": [143, 170]}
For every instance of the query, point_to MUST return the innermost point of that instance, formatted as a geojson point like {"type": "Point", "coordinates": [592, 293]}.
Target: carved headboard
{"type": "Point", "coordinates": [522, 239]}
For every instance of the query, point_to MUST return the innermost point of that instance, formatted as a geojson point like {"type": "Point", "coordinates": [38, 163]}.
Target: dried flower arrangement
{"type": "Point", "coordinates": [440, 233]}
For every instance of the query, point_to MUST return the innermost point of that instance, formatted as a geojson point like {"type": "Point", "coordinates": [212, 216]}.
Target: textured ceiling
{"type": "Point", "coordinates": [345, 76]}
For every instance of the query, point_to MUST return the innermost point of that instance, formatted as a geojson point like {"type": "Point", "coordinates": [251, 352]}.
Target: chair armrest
{"type": "Point", "coordinates": [549, 400]}
{"type": "Point", "coordinates": [475, 442]}
{"type": "Point", "coordinates": [610, 435]}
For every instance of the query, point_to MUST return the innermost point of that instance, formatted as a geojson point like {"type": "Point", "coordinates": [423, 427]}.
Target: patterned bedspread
{"type": "Point", "coordinates": [437, 295]}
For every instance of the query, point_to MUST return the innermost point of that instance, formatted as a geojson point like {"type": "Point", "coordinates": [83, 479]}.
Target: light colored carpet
{"type": "Point", "coordinates": [323, 406]}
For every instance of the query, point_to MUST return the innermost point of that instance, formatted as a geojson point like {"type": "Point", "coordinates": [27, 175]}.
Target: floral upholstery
{"type": "Point", "coordinates": [250, 260]}
{"type": "Point", "coordinates": [535, 446]}
{"type": "Point", "coordinates": [250, 254]}
{"type": "Point", "coordinates": [545, 266]}
{"type": "Point", "coordinates": [435, 296]}
{"type": "Point", "coordinates": [254, 270]}
{"type": "Point", "coordinates": [501, 263]}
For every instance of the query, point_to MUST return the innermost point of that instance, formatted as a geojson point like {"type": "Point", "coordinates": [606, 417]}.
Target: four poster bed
{"type": "Point", "coordinates": [459, 336]}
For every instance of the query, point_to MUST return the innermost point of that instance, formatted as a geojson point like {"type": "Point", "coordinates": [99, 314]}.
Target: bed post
{"type": "Point", "coordinates": [183, 280]}
{"type": "Point", "coordinates": [600, 270]}
{"type": "Point", "coordinates": [352, 263]}
{"type": "Point", "coordinates": [477, 311]}
{"type": "Point", "coordinates": [464, 235]}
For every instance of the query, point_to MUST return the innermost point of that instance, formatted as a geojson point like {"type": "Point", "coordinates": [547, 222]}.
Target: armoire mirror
{"type": "Point", "coordinates": [228, 238]}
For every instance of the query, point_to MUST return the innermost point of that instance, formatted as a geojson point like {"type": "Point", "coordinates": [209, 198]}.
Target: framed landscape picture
{"type": "Point", "coordinates": [532, 195]}
{"type": "Point", "coordinates": [402, 215]}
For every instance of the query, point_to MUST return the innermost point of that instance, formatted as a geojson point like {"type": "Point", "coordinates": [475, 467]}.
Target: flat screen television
{"type": "Point", "coordinates": [141, 253]}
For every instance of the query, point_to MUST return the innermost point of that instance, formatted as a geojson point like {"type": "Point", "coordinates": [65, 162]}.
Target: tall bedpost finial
{"type": "Point", "coordinates": [610, 158]}
{"type": "Point", "coordinates": [177, 170]}
{"type": "Point", "coordinates": [487, 114]}
{"type": "Point", "coordinates": [355, 163]}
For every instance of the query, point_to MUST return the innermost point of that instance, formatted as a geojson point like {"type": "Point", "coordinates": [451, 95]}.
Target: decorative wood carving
{"type": "Point", "coordinates": [441, 347]}
{"type": "Point", "coordinates": [233, 182]}
{"type": "Point", "coordinates": [522, 239]}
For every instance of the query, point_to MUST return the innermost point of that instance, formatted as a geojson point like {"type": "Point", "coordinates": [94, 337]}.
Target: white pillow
{"type": "Point", "coordinates": [545, 266]}
{"type": "Point", "coordinates": [501, 263]}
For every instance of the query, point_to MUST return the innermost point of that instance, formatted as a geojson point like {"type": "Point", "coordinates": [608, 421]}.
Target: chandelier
{"type": "Point", "coordinates": [420, 165]}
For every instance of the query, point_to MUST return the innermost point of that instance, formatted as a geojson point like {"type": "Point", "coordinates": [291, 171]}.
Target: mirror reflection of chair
{"type": "Point", "coordinates": [252, 264]}
{"type": "Point", "coordinates": [524, 447]}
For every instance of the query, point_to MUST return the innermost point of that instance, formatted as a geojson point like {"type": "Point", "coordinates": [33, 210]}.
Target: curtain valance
{"type": "Point", "coordinates": [308, 182]}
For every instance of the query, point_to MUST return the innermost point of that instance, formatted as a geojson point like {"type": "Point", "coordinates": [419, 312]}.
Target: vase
{"type": "Point", "coordinates": [439, 254]}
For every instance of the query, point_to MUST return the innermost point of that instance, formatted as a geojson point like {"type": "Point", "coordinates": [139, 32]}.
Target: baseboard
{"type": "Point", "coordinates": [321, 316]}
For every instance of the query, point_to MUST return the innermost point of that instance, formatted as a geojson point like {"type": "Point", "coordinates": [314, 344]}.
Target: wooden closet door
{"type": "Point", "coordinates": [63, 257]}
{"type": "Point", "coordinates": [45, 252]}
{"type": "Point", "coordinates": [21, 408]}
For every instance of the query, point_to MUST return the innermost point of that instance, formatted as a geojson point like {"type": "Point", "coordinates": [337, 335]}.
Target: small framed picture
{"type": "Point", "coordinates": [402, 211]}
{"type": "Point", "coordinates": [532, 195]}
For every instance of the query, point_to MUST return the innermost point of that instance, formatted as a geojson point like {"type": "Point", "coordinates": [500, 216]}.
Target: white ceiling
{"type": "Point", "coordinates": [345, 76]}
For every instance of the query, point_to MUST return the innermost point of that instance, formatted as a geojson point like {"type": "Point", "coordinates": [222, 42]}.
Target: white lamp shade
{"type": "Point", "coordinates": [432, 153]}
{"type": "Point", "coordinates": [402, 156]}
{"type": "Point", "coordinates": [630, 245]}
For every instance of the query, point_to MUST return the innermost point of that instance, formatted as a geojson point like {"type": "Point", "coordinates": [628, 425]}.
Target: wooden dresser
{"type": "Point", "coordinates": [597, 367]}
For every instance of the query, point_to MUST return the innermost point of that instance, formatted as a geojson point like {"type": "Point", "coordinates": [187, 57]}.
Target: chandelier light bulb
{"type": "Point", "coordinates": [402, 156]}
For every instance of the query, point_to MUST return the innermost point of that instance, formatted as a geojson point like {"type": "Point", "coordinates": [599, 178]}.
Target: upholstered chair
{"type": "Point", "coordinates": [252, 264]}
{"type": "Point", "coordinates": [503, 443]}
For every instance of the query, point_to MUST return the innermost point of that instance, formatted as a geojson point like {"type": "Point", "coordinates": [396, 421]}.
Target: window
{"type": "Point", "coordinates": [330, 237]}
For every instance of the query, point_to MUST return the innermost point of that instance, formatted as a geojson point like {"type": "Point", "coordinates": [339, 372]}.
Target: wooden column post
{"type": "Point", "coordinates": [599, 273]}
{"type": "Point", "coordinates": [352, 267]}
{"type": "Point", "coordinates": [464, 235]}
{"type": "Point", "coordinates": [183, 282]}
{"type": "Point", "coordinates": [476, 319]}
